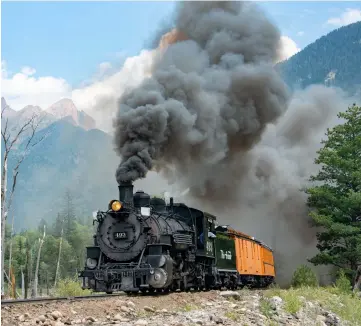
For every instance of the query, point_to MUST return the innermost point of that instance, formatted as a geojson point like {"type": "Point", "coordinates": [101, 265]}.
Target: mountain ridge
{"type": "Point", "coordinates": [58, 110]}
{"type": "Point", "coordinates": [59, 163]}
{"type": "Point", "coordinates": [66, 107]}
{"type": "Point", "coordinates": [332, 60]}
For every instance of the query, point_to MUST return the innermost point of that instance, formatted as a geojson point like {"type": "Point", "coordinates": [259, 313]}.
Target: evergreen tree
{"type": "Point", "coordinates": [57, 226]}
{"type": "Point", "coordinates": [335, 199]}
{"type": "Point", "coordinates": [69, 215]}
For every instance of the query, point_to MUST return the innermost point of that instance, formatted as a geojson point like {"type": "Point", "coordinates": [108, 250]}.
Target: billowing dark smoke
{"type": "Point", "coordinates": [215, 117]}
{"type": "Point", "coordinates": [209, 97]}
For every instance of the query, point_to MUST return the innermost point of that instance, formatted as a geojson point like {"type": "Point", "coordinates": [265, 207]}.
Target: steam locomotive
{"type": "Point", "coordinates": [145, 245]}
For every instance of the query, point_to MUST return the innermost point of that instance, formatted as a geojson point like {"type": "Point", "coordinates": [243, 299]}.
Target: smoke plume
{"type": "Point", "coordinates": [216, 118]}
{"type": "Point", "coordinates": [210, 95]}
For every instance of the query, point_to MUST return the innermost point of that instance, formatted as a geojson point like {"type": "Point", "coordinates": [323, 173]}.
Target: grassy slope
{"type": "Point", "coordinates": [343, 303]}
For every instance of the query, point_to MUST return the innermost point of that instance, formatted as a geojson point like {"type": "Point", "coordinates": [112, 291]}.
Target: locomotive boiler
{"type": "Point", "coordinates": [143, 244]}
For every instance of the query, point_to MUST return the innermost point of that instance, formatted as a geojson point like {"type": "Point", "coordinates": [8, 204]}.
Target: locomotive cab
{"type": "Point", "coordinates": [205, 232]}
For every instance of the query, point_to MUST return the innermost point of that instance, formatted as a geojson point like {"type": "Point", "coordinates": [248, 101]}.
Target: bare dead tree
{"type": "Point", "coordinates": [22, 284]}
{"type": "Point", "coordinates": [34, 292]}
{"type": "Point", "coordinates": [9, 141]}
{"type": "Point", "coordinates": [11, 242]}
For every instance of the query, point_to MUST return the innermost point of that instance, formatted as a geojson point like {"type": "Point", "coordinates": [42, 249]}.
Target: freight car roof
{"type": "Point", "coordinates": [243, 235]}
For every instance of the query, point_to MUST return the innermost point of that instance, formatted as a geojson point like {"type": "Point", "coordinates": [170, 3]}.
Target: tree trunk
{"type": "Point", "coordinates": [59, 254]}
{"type": "Point", "coordinates": [22, 284]}
{"type": "Point", "coordinates": [13, 284]}
{"type": "Point", "coordinates": [47, 283]}
{"type": "Point", "coordinates": [34, 293]}
{"type": "Point", "coordinates": [31, 268]}
{"type": "Point", "coordinates": [8, 144]}
{"type": "Point", "coordinates": [357, 280]}
{"type": "Point", "coordinates": [11, 243]}
{"type": "Point", "coordinates": [3, 219]}
{"type": "Point", "coordinates": [26, 279]}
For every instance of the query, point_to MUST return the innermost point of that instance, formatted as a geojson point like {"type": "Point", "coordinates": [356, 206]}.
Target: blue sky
{"type": "Point", "coordinates": [70, 39]}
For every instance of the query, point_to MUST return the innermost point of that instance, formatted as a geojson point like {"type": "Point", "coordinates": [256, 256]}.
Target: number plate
{"type": "Point", "coordinates": [127, 273]}
{"type": "Point", "coordinates": [120, 235]}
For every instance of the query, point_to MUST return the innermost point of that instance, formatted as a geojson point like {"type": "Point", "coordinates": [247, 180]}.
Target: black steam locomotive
{"type": "Point", "coordinates": [142, 244]}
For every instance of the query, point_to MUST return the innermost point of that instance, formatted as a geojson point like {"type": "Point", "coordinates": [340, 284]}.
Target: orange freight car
{"type": "Point", "coordinates": [247, 261]}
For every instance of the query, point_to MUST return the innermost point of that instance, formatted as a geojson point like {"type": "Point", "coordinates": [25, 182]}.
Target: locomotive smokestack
{"type": "Point", "coordinates": [126, 193]}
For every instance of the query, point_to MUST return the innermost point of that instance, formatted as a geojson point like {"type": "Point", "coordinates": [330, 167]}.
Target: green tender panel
{"type": "Point", "coordinates": [225, 253]}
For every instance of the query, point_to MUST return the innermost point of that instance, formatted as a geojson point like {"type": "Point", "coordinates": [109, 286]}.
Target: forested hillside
{"type": "Point", "coordinates": [69, 158]}
{"type": "Point", "coordinates": [333, 60]}
{"type": "Point", "coordinates": [73, 232]}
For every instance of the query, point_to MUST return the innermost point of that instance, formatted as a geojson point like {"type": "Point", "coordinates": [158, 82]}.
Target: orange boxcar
{"type": "Point", "coordinates": [252, 259]}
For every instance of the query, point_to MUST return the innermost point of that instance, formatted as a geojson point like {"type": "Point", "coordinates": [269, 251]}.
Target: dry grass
{"type": "Point", "coordinates": [343, 303]}
{"type": "Point", "coordinates": [71, 288]}
{"type": "Point", "coordinates": [232, 315]}
{"type": "Point", "coordinates": [266, 308]}
{"type": "Point", "coordinates": [189, 307]}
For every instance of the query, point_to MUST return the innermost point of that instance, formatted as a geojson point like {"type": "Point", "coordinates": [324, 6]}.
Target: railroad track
{"type": "Point", "coordinates": [78, 298]}
{"type": "Point", "coordinates": [47, 299]}
{"type": "Point", "coordinates": [95, 296]}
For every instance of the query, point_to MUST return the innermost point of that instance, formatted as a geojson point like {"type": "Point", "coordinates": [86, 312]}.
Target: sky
{"type": "Point", "coordinates": [51, 50]}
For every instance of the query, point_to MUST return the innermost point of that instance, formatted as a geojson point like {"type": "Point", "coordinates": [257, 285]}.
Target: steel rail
{"type": "Point", "coordinates": [68, 298]}
{"type": "Point", "coordinates": [96, 296]}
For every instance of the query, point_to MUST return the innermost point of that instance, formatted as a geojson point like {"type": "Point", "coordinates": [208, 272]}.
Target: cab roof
{"type": "Point", "coordinates": [210, 216]}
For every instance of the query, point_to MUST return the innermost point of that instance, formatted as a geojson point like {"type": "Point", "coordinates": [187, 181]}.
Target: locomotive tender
{"type": "Point", "coordinates": [142, 244]}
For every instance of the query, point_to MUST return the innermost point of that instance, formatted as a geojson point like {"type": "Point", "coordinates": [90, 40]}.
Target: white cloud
{"type": "Point", "coordinates": [98, 97]}
{"type": "Point", "coordinates": [28, 71]}
{"type": "Point", "coordinates": [4, 72]}
{"type": "Point", "coordinates": [104, 67]}
{"type": "Point", "coordinates": [300, 33]}
{"type": "Point", "coordinates": [349, 16]}
{"type": "Point", "coordinates": [23, 88]}
{"type": "Point", "coordinates": [288, 48]}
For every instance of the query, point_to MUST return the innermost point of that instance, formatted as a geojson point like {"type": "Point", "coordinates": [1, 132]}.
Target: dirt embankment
{"type": "Point", "coordinates": [179, 309]}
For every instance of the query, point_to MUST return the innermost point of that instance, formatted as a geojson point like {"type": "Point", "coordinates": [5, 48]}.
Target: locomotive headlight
{"type": "Point", "coordinates": [91, 263]}
{"type": "Point", "coordinates": [116, 205]}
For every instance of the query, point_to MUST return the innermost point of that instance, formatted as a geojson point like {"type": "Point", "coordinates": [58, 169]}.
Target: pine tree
{"type": "Point", "coordinates": [69, 215]}
{"type": "Point", "coordinates": [335, 200]}
{"type": "Point", "coordinates": [58, 225]}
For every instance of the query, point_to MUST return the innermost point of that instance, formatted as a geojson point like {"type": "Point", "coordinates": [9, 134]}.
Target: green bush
{"type": "Point", "coordinates": [343, 284]}
{"type": "Point", "coordinates": [70, 288]}
{"type": "Point", "coordinates": [304, 276]}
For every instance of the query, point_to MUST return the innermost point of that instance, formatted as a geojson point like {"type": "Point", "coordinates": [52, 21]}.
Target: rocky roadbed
{"type": "Point", "coordinates": [176, 309]}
